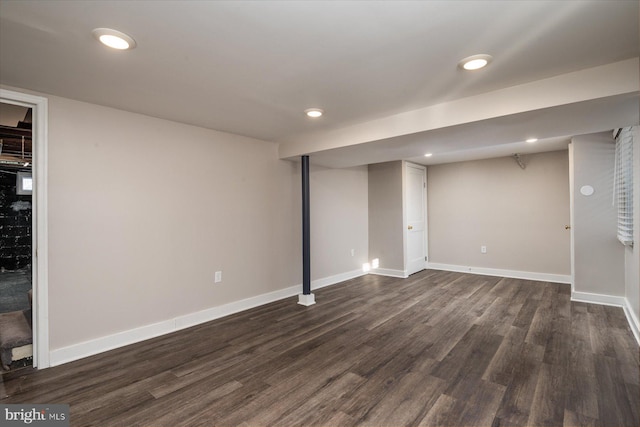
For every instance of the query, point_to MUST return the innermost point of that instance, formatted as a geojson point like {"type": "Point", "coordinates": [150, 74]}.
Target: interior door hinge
{"type": "Point", "coordinates": [425, 258]}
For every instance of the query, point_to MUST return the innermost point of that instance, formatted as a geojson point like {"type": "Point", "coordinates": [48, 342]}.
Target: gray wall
{"type": "Point", "coordinates": [143, 211]}
{"type": "Point", "coordinates": [385, 215]}
{"type": "Point", "coordinates": [520, 215]}
{"type": "Point", "coordinates": [339, 220]}
{"type": "Point", "coordinates": [599, 256]}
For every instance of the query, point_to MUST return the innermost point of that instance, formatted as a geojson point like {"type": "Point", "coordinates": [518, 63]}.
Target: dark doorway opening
{"type": "Point", "coordinates": [16, 236]}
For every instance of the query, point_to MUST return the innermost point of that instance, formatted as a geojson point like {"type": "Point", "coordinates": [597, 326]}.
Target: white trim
{"type": "Point", "coordinates": [213, 313]}
{"type": "Point", "coordinates": [337, 278]}
{"type": "Point", "coordinates": [131, 336]}
{"type": "Point", "coordinates": [40, 254]}
{"type": "Point", "coordinates": [601, 299]}
{"type": "Point", "coordinates": [571, 215]}
{"type": "Point", "coordinates": [403, 173]}
{"type": "Point", "coordinates": [306, 300]}
{"type": "Point", "coordinates": [634, 324]}
{"type": "Point", "coordinates": [526, 275]}
{"type": "Point", "coordinates": [612, 300]}
{"type": "Point", "coordinates": [110, 342]}
{"type": "Point", "coordinates": [402, 274]}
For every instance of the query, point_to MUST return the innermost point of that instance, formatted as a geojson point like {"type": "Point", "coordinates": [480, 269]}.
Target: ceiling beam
{"type": "Point", "coordinates": [594, 83]}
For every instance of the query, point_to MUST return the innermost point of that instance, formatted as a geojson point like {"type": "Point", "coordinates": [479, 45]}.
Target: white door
{"type": "Point", "coordinates": [415, 218]}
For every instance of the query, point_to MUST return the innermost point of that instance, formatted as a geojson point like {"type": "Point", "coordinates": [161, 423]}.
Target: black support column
{"type": "Point", "coordinates": [306, 298]}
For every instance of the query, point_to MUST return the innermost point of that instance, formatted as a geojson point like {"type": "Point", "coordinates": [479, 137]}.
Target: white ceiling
{"type": "Point", "coordinates": [252, 67]}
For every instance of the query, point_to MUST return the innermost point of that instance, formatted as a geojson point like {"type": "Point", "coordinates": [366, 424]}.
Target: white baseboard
{"type": "Point", "coordinates": [142, 333]}
{"type": "Point", "coordinates": [120, 339]}
{"type": "Point", "coordinates": [402, 274]}
{"type": "Point", "coordinates": [634, 324]}
{"type": "Point", "coordinates": [337, 278]}
{"type": "Point", "coordinates": [109, 342]}
{"type": "Point", "coordinates": [615, 301]}
{"type": "Point", "coordinates": [193, 319]}
{"type": "Point", "coordinates": [526, 275]}
{"type": "Point", "coordinates": [601, 299]}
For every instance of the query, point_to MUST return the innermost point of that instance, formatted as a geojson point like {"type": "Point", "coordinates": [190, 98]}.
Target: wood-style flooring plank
{"type": "Point", "coordinates": [331, 395]}
{"type": "Point", "coordinates": [470, 357]}
{"type": "Point", "coordinates": [601, 339]}
{"type": "Point", "coordinates": [518, 398]}
{"type": "Point", "coordinates": [572, 419]}
{"type": "Point", "coordinates": [504, 361]}
{"type": "Point", "coordinates": [627, 355]}
{"type": "Point", "coordinates": [445, 412]}
{"type": "Point", "coordinates": [481, 406]}
{"type": "Point", "coordinates": [102, 408]}
{"type": "Point", "coordinates": [407, 402]}
{"type": "Point", "coordinates": [614, 400]}
{"type": "Point", "coordinates": [547, 408]}
{"type": "Point", "coordinates": [581, 380]}
{"type": "Point", "coordinates": [541, 324]}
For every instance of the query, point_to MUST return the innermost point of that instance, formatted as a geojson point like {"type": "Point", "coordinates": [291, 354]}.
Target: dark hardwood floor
{"type": "Point", "coordinates": [439, 348]}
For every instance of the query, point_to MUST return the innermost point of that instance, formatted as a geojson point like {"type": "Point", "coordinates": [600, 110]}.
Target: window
{"type": "Point", "coordinates": [623, 185]}
{"type": "Point", "coordinates": [24, 185]}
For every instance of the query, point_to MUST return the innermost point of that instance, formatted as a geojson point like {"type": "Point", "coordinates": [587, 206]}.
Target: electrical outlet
{"type": "Point", "coordinates": [218, 277]}
{"type": "Point", "coordinates": [353, 252]}
{"type": "Point", "coordinates": [483, 249]}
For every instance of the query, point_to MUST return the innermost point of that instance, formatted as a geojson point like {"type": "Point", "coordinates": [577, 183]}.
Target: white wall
{"type": "Point", "coordinates": [339, 220]}
{"type": "Point", "coordinates": [519, 215]}
{"type": "Point", "coordinates": [599, 256]}
{"type": "Point", "coordinates": [143, 211]}
{"type": "Point", "coordinates": [385, 215]}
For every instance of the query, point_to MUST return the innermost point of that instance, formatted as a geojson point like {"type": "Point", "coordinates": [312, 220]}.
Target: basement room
{"type": "Point", "coordinates": [320, 213]}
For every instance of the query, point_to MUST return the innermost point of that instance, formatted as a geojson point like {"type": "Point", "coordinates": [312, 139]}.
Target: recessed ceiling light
{"type": "Point", "coordinates": [314, 113]}
{"type": "Point", "coordinates": [475, 62]}
{"type": "Point", "coordinates": [114, 39]}
{"type": "Point", "coordinates": [428, 155]}
{"type": "Point", "coordinates": [532, 140]}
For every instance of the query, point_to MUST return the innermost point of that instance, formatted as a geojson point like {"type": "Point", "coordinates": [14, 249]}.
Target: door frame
{"type": "Point", "coordinates": [571, 222]}
{"type": "Point", "coordinates": [39, 225]}
{"type": "Point", "coordinates": [405, 231]}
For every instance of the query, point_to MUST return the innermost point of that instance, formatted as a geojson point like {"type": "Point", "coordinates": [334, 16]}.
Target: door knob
{"type": "Point", "coordinates": [410, 227]}
{"type": "Point", "coordinates": [567, 227]}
